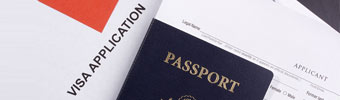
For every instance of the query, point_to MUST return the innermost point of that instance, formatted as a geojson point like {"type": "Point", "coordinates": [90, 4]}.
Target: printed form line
{"type": "Point", "coordinates": [233, 47]}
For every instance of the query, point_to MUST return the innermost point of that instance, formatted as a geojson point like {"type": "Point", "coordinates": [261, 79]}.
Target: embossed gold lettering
{"type": "Point", "coordinates": [217, 77]}
{"type": "Point", "coordinates": [200, 71]}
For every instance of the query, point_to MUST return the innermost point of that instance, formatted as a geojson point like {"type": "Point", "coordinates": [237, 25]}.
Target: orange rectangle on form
{"type": "Point", "coordinates": [93, 13]}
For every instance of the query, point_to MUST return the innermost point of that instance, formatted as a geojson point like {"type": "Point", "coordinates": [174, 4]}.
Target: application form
{"type": "Point", "coordinates": [49, 51]}
{"type": "Point", "coordinates": [302, 53]}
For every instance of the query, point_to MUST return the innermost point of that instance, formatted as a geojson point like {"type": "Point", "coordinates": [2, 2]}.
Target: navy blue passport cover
{"type": "Point", "coordinates": [173, 65]}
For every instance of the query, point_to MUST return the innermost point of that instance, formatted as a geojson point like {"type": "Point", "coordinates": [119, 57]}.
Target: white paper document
{"type": "Point", "coordinates": [57, 50]}
{"type": "Point", "coordinates": [295, 5]}
{"type": "Point", "coordinates": [302, 53]}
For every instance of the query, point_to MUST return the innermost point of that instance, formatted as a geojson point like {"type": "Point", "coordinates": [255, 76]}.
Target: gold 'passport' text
{"type": "Point", "coordinates": [201, 72]}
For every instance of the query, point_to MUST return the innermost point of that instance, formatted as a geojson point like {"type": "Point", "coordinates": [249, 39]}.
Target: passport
{"type": "Point", "coordinates": [173, 65]}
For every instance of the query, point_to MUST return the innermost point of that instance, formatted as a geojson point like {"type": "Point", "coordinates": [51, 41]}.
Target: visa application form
{"type": "Point", "coordinates": [302, 53]}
